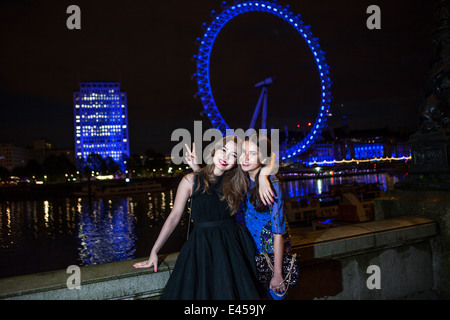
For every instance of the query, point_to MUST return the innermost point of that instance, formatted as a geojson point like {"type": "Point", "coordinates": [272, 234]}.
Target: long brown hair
{"type": "Point", "coordinates": [265, 149]}
{"type": "Point", "coordinates": [235, 182]}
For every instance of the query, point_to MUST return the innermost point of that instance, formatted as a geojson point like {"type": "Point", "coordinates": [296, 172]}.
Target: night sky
{"type": "Point", "coordinates": [377, 75]}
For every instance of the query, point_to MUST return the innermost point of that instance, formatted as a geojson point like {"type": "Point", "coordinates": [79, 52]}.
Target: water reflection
{"type": "Point", "coordinates": [106, 232]}
{"type": "Point", "coordinates": [51, 234]}
{"type": "Point", "coordinates": [294, 188]}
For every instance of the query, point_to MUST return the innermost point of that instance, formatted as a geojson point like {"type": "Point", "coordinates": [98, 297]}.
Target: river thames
{"type": "Point", "coordinates": [53, 233]}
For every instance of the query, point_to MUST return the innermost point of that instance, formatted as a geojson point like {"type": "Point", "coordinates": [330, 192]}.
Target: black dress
{"type": "Point", "coordinates": [217, 261]}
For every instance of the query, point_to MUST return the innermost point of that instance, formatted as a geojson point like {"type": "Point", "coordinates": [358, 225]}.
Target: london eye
{"type": "Point", "coordinates": [202, 75]}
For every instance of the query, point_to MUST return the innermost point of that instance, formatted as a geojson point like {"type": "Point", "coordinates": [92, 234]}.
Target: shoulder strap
{"type": "Point", "coordinates": [190, 205]}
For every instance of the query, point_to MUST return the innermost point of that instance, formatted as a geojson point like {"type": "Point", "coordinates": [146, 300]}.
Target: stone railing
{"type": "Point", "coordinates": [389, 259]}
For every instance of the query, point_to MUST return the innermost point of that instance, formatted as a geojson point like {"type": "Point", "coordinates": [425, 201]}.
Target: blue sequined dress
{"type": "Point", "coordinates": [263, 225]}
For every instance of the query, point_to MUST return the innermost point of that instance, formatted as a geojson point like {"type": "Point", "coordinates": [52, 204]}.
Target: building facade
{"type": "Point", "coordinates": [12, 156]}
{"type": "Point", "coordinates": [101, 121]}
{"type": "Point", "coordinates": [354, 147]}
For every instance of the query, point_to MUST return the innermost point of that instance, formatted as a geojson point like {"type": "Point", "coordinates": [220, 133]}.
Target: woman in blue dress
{"type": "Point", "coordinates": [266, 223]}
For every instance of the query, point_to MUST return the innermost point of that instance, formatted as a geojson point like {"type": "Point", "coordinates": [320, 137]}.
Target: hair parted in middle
{"type": "Point", "coordinates": [235, 182]}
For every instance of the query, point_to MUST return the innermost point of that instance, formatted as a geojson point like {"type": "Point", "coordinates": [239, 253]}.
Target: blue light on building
{"type": "Point", "coordinates": [101, 121]}
{"type": "Point", "coordinates": [369, 150]}
{"type": "Point", "coordinates": [348, 152]}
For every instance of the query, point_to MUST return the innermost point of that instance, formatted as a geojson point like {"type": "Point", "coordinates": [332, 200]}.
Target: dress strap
{"type": "Point", "coordinates": [196, 185]}
{"type": "Point", "coordinates": [190, 205]}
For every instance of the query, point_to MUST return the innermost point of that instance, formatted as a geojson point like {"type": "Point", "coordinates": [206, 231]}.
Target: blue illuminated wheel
{"type": "Point", "coordinates": [207, 41]}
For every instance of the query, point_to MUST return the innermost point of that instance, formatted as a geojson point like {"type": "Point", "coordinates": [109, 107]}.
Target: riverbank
{"type": "Point", "coordinates": [55, 190]}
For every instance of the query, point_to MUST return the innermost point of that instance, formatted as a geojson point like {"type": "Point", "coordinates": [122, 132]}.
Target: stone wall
{"type": "Point", "coordinates": [433, 204]}
{"type": "Point", "coordinates": [335, 261]}
{"type": "Point", "coordinates": [333, 265]}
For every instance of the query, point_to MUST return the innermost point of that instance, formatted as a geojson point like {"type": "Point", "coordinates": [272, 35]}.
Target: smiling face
{"type": "Point", "coordinates": [250, 157]}
{"type": "Point", "coordinates": [225, 158]}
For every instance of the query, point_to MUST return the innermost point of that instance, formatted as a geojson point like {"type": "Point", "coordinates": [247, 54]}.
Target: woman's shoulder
{"type": "Point", "coordinates": [188, 180]}
{"type": "Point", "coordinates": [189, 177]}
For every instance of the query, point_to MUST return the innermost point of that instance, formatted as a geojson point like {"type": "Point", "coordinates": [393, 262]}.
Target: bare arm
{"type": "Point", "coordinates": [266, 192]}
{"type": "Point", "coordinates": [183, 193]}
{"type": "Point", "coordinates": [277, 282]}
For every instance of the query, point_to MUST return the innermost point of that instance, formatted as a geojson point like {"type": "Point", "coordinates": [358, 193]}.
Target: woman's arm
{"type": "Point", "coordinates": [266, 192]}
{"type": "Point", "coordinates": [277, 282]}
{"type": "Point", "coordinates": [183, 193]}
{"type": "Point", "coordinates": [278, 230]}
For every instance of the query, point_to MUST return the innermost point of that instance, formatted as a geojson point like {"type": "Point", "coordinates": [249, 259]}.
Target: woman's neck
{"type": "Point", "coordinates": [254, 174]}
{"type": "Point", "coordinates": [217, 172]}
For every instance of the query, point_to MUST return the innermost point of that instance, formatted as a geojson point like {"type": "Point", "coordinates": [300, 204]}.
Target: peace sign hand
{"type": "Point", "coordinates": [191, 158]}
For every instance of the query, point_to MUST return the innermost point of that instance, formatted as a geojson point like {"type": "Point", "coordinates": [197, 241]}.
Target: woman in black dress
{"type": "Point", "coordinates": [217, 261]}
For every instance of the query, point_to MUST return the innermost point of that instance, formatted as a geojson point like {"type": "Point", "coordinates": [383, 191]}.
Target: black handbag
{"type": "Point", "coordinates": [264, 268]}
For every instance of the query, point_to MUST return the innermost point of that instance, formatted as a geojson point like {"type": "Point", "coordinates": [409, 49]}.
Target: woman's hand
{"type": "Point", "coordinates": [191, 158]}
{"type": "Point", "coordinates": [152, 261]}
{"type": "Point", "coordinates": [277, 283]}
{"type": "Point", "coordinates": [266, 193]}
{"type": "Point", "coordinates": [183, 193]}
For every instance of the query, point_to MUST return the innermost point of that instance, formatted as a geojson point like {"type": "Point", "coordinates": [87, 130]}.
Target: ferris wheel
{"type": "Point", "coordinates": [206, 43]}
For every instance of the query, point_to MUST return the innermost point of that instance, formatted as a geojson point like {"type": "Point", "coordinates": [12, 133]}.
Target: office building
{"type": "Point", "coordinates": [101, 121]}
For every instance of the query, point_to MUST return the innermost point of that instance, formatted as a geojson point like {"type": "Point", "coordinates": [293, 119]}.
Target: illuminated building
{"type": "Point", "coordinates": [101, 121]}
{"type": "Point", "coordinates": [368, 150]}
{"type": "Point", "coordinates": [358, 147]}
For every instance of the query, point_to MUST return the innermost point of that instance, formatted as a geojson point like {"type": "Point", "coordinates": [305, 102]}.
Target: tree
{"type": "Point", "coordinates": [110, 166]}
{"type": "Point", "coordinates": [57, 167]}
{"type": "Point", "coordinates": [95, 162]}
{"type": "Point", "coordinates": [50, 168]}
{"type": "Point", "coordinates": [19, 171]}
{"type": "Point", "coordinates": [155, 160]}
{"type": "Point", "coordinates": [34, 169]}
{"type": "Point", "coordinates": [134, 164]}
{"type": "Point", "coordinates": [82, 167]}
{"type": "Point", "coordinates": [4, 173]}
{"type": "Point", "coordinates": [65, 165]}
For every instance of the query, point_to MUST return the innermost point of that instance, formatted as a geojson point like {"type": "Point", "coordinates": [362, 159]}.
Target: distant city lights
{"type": "Point", "coordinates": [333, 162]}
